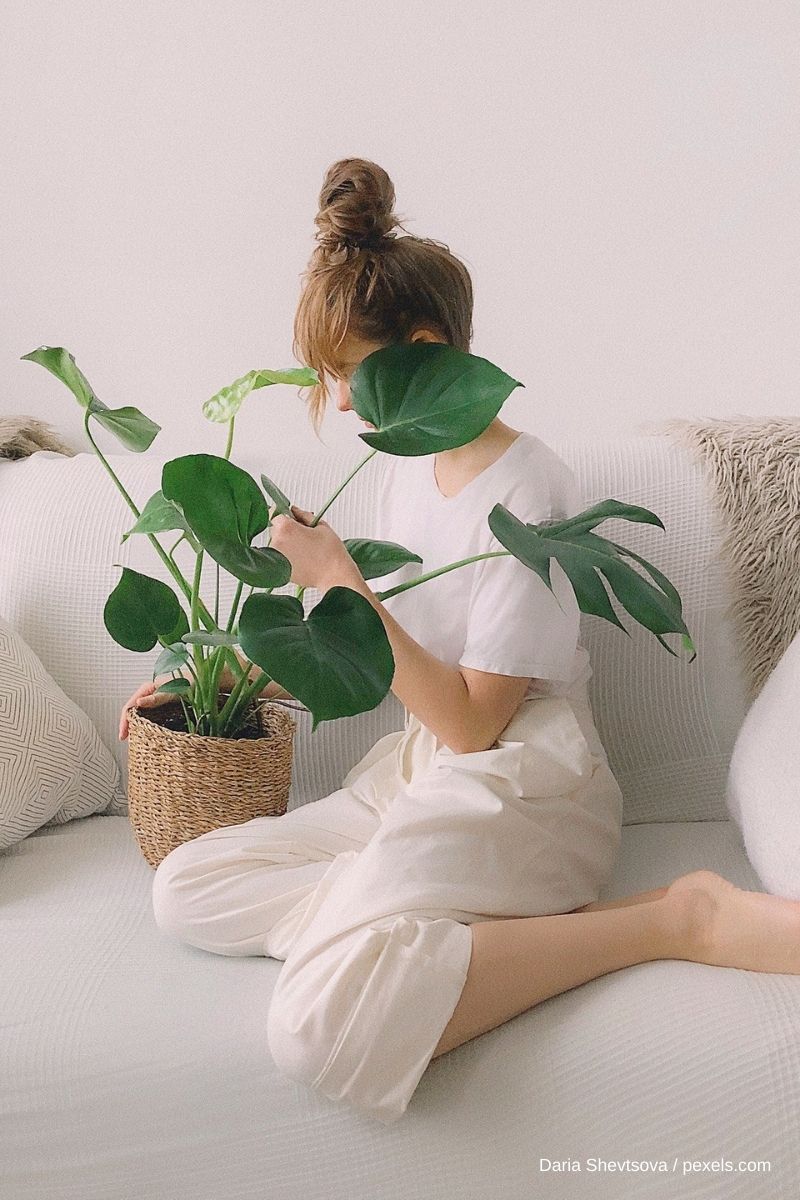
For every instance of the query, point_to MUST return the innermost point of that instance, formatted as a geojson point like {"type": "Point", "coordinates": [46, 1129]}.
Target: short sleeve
{"type": "Point", "coordinates": [566, 497]}
{"type": "Point", "coordinates": [515, 624]}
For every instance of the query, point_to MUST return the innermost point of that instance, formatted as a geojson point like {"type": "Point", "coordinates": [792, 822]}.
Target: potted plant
{"type": "Point", "coordinates": [421, 398]}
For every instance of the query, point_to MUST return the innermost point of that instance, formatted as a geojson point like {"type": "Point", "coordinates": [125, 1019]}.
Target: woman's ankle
{"type": "Point", "coordinates": [686, 916]}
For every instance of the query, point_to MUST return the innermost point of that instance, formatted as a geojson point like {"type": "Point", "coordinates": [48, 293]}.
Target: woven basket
{"type": "Point", "coordinates": [183, 784]}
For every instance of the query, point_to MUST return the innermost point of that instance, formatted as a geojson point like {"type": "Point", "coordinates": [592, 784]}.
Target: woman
{"type": "Point", "coordinates": [451, 882]}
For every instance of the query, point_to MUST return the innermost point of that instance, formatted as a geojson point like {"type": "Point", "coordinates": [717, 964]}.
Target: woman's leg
{"type": "Point", "coordinates": [701, 917]}
{"type": "Point", "coordinates": [623, 901]}
{"type": "Point", "coordinates": [248, 889]}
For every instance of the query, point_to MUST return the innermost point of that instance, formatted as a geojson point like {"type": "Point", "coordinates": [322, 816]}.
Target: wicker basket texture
{"type": "Point", "coordinates": [182, 785]}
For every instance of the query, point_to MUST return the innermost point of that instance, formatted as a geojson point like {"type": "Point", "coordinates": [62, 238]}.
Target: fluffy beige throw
{"type": "Point", "coordinates": [754, 468]}
{"type": "Point", "coordinates": [21, 436]}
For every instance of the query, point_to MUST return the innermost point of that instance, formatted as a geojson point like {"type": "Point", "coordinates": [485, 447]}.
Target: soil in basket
{"type": "Point", "coordinates": [172, 718]}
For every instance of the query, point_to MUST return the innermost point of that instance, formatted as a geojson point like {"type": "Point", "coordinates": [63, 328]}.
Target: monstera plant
{"type": "Point", "coordinates": [422, 398]}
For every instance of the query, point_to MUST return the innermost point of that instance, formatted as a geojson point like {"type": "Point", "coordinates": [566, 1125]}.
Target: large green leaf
{"type": "Point", "coordinates": [61, 363]}
{"type": "Point", "coordinates": [374, 558]}
{"type": "Point", "coordinates": [337, 660]}
{"type": "Point", "coordinates": [129, 425]}
{"type": "Point", "coordinates": [423, 397]}
{"type": "Point", "coordinates": [160, 514]}
{"type": "Point", "coordinates": [585, 558]}
{"type": "Point", "coordinates": [140, 610]}
{"type": "Point", "coordinates": [225, 509]}
{"type": "Point", "coordinates": [228, 400]}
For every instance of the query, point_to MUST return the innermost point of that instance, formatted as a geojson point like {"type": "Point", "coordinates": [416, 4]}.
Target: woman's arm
{"type": "Point", "coordinates": [465, 712]}
{"type": "Point", "coordinates": [436, 693]}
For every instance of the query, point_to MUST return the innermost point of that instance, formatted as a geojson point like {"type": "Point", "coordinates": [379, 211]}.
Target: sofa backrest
{"type": "Point", "coordinates": [668, 726]}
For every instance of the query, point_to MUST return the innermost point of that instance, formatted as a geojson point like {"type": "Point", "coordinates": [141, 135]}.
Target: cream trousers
{"type": "Point", "coordinates": [367, 894]}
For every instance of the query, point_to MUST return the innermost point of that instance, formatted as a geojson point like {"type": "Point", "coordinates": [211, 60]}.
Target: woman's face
{"type": "Point", "coordinates": [353, 351]}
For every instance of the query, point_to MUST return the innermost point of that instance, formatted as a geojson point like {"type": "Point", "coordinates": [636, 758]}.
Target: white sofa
{"type": "Point", "coordinates": [134, 1067]}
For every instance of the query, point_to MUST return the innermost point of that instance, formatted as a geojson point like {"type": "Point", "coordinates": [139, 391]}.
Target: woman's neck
{"type": "Point", "coordinates": [455, 468]}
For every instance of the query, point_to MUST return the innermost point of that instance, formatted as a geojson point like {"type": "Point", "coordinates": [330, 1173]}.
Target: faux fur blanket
{"type": "Point", "coordinates": [754, 467]}
{"type": "Point", "coordinates": [21, 436]}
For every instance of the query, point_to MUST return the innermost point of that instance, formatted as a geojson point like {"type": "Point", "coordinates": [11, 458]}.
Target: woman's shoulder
{"type": "Point", "coordinates": [543, 484]}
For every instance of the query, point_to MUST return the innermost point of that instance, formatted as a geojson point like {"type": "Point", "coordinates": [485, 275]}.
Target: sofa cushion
{"type": "Point", "coordinates": [137, 1066]}
{"type": "Point", "coordinates": [763, 788]}
{"type": "Point", "coordinates": [668, 725]}
{"type": "Point", "coordinates": [53, 766]}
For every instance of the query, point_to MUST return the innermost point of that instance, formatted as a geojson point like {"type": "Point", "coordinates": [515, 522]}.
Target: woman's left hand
{"type": "Point", "coordinates": [318, 556]}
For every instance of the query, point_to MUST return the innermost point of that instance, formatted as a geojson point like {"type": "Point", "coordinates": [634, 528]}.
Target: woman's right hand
{"type": "Point", "coordinates": [145, 696]}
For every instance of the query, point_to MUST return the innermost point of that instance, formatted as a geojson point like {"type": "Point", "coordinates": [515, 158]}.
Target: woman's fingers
{"type": "Point", "coordinates": [143, 697]}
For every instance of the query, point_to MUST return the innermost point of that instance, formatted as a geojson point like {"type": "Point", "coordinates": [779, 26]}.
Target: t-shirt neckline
{"type": "Point", "coordinates": [431, 474]}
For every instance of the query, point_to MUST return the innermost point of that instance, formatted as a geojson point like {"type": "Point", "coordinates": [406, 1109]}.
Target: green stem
{"type": "Point", "coordinates": [197, 650]}
{"type": "Point", "coordinates": [318, 517]}
{"type": "Point", "coordinates": [231, 703]}
{"type": "Point", "coordinates": [172, 567]}
{"type": "Point", "coordinates": [189, 723]}
{"type": "Point", "coordinates": [227, 453]}
{"type": "Point", "coordinates": [328, 503]}
{"type": "Point", "coordinates": [403, 587]}
{"type": "Point", "coordinates": [234, 606]}
{"type": "Point", "coordinates": [246, 695]}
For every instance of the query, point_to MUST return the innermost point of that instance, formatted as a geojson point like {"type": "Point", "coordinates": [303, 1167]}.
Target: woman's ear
{"type": "Point", "coordinates": [426, 335]}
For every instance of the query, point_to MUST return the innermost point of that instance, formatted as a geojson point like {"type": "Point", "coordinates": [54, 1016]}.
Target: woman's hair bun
{"type": "Point", "coordinates": [356, 206]}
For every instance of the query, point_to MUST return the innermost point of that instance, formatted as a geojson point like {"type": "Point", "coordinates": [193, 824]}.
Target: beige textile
{"type": "Point", "coordinates": [367, 894]}
{"type": "Point", "coordinates": [754, 470]}
{"type": "Point", "coordinates": [21, 436]}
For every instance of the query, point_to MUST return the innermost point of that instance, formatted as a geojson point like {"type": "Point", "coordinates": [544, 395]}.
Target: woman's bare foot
{"type": "Point", "coordinates": [732, 927]}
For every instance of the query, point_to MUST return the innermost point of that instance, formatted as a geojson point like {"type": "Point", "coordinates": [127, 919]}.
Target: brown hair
{"type": "Point", "coordinates": [364, 280]}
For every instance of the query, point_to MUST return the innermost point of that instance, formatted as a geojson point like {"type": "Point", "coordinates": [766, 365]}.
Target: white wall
{"type": "Point", "coordinates": [620, 176]}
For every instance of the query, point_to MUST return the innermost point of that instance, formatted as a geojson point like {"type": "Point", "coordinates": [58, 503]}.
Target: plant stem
{"type": "Point", "coordinates": [231, 703]}
{"type": "Point", "coordinates": [186, 717]}
{"type": "Point", "coordinates": [318, 516]}
{"type": "Point", "coordinates": [234, 606]}
{"type": "Point", "coordinates": [328, 503]}
{"type": "Point", "coordinates": [197, 650]}
{"type": "Point", "coordinates": [245, 696]}
{"type": "Point", "coordinates": [403, 587]}
{"type": "Point", "coordinates": [227, 453]}
{"type": "Point", "coordinates": [172, 567]}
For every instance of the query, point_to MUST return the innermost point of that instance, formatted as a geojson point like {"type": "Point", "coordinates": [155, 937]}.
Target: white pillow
{"type": "Point", "coordinates": [763, 788]}
{"type": "Point", "coordinates": [53, 766]}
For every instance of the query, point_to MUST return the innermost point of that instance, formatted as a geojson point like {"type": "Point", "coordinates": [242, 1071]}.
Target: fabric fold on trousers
{"type": "Point", "coordinates": [368, 894]}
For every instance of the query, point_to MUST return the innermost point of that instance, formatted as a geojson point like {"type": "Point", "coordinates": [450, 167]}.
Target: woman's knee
{"type": "Point", "coordinates": [299, 1046]}
{"type": "Point", "coordinates": [169, 898]}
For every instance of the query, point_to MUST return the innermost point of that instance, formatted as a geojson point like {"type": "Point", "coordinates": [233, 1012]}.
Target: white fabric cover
{"type": "Point", "coordinates": [53, 766]}
{"type": "Point", "coordinates": [763, 790]}
{"type": "Point", "coordinates": [134, 1066]}
{"type": "Point", "coordinates": [668, 726]}
{"type": "Point", "coordinates": [137, 1067]}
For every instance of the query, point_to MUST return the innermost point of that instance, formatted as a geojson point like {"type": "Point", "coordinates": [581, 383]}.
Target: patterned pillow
{"type": "Point", "coordinates": [763, 789]}
{"type": "Point", "coordinates": [53, 766]}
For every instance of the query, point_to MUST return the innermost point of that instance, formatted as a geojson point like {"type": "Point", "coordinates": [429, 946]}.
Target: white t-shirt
{"type": "Point", "coordinates": [496, 615]}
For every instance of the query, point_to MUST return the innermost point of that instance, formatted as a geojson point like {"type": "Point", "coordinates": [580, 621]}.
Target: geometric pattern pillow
{"type": "Point", "coordinates": [53, 765]}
